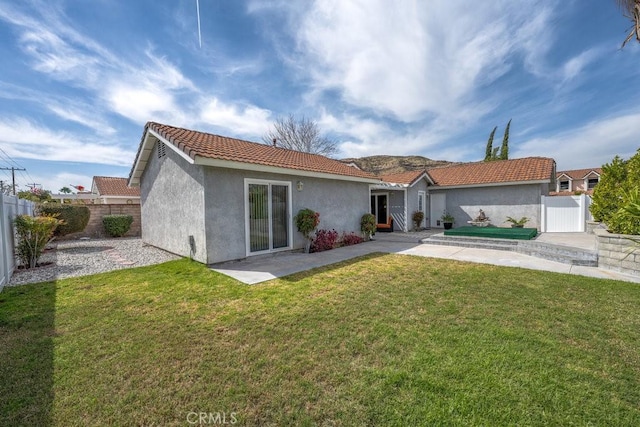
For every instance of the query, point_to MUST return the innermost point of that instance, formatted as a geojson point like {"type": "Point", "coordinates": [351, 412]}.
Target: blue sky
{"type": "Point", "coordinates": [79, 79]}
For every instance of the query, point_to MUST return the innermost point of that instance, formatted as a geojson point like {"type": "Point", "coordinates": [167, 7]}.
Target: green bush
{"type": "Point", "coordinates": [616, 192]}
{"type": "Point", "coordinates": [75, 217]}
{"type": "Point", "coordinates": [306, 221]}
{"type": "Point", "coordinates": [368, 225]}
{"type": "Point", "coordinates": [117, 225]}
{"type": "Point", "coordinates": [33, 235]}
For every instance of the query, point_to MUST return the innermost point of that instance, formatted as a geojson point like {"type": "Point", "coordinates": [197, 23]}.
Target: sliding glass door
{"type": "Point", "coordinates": [268, 208]}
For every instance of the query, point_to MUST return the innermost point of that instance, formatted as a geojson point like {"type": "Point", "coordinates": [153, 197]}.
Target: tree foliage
{"type": "Point", "coordinates": [488, 154]}
{"type": "Point", "coordinates": [36, 195]}
{"type": "Point", "coordinates": [615, 196]}
{"type": "Point", "coordinates": [498, 153]}
{"type": "Point", "coordinates": [75, 217]}
{"type": "Point", "coordinates": [631, 10]}
{"type": "Point", "coordinates": [300, 135]}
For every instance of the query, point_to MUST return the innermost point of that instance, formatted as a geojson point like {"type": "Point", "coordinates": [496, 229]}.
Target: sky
{"type": "Point", "coordinates": [79, 79]}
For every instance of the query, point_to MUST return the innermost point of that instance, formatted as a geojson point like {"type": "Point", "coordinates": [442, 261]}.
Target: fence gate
{"type": "Point", "coordinates": [565, 214]}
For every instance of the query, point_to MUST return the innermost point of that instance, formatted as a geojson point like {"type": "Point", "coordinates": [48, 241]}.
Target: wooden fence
{"type": "Point", "coordinates": [10, 206]}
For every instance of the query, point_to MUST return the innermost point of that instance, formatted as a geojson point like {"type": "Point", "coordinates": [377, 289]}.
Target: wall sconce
{"type": "Point", "coordinates": [299, 185]}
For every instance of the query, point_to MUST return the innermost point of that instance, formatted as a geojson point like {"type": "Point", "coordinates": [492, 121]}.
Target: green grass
{"type": "Point", "coordinates": [493, 232]}
{"type": "Point", "coordinates": [382, 340]}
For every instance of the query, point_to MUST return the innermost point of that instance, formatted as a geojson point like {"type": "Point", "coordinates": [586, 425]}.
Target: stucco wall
{"type": "Point", "coordinates": [412, 203]}
{"type": "Point", "coordinates": [172, 205]}
{"type": "Point", "coordinates": [340, 204]}
{"type": "Point", "coordinates": [497, 203]}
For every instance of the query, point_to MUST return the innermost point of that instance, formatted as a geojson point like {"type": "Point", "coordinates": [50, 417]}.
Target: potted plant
{"type": "Point", "coordinates": [448, 220]}
{"type": "Point", "coordinates": [306, 221]}
{"type": "Point", "coordinates": [368, 225]}
{"type": "Point", "coordinates": [517, 223]}
{"type": "Point", "coordinates": [417, 218]}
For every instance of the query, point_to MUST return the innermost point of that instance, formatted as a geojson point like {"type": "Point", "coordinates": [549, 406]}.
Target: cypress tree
{"type": "Point", "coordinates": [489, 151]}
{"type": "Point", "coordinates": [504, 150]}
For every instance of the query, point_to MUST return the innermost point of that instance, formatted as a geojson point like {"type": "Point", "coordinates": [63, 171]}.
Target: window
{"type": "Point", "coordinates": [564, 185]}
{"type": "Point", "coordinates": [592, 183]}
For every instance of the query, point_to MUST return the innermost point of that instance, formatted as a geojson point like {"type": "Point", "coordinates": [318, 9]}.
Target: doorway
{"type": "Point", "coordinates": [268, 216]}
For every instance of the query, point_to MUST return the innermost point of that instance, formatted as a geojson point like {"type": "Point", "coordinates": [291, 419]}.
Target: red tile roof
{"type": "Point", "coordinates": [194, 144]}
{"type": "Point", "coordinates": [498, 171]}
{"type": "Point", "coordinates": [113, 186]}
{"type": "Point", "coordinates": [407, 178]}
{"type": "Point", "coordinates": [579, 173]}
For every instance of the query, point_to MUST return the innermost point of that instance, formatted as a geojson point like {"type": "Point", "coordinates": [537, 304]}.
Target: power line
{"type": "Point", "coordinates": [13, 176]}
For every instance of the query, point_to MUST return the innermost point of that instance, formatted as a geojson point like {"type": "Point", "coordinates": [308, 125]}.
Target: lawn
{"type": "Point", "coordinates": [381, 340]}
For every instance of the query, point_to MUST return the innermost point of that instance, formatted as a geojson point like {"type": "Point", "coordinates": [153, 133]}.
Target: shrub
{"type": "Point", "coordinates": [350, 239]}
{"type": "Point", "coordinates": [368, 225]}
{"type": "Point", "coordinates": [615, 192]}
{"type": "Point", "coordinates": [417, 218]}
{"type": "Point", "coordinates": [324, 240]}
{"type": "Point", "coordinates": [606, 196]}
{"type": "Point", "coordinates": [75, 217]}
{"type": "Point", "coordinates": [33, 235]}
{"type": "Point", "coordinates": [117, 225]}
{"type": "Point", "coordinates": [306, 221]}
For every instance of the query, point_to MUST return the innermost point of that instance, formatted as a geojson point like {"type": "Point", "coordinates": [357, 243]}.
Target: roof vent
{"type": "Point", "coordinates": [162, 149]}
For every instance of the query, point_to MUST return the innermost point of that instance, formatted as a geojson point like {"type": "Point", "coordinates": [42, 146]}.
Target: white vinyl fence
{"type": "Point", "coordinates": [10, 206]}
{"type": "Point", "coordinates": [565, 214]}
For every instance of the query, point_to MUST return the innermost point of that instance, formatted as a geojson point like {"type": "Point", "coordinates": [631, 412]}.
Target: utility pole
{"type": "Point", "coordinates": [13, 176]}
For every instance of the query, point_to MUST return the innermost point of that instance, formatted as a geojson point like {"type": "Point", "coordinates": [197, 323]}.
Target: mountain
{"type": "Point", "coordinates": [383, 165]}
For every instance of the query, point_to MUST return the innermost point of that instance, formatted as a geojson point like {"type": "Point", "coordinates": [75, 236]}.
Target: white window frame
{"type": "Point", "coordinates": [269, 182]}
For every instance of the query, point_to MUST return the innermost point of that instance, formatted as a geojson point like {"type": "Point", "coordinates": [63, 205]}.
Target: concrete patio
{"type": "Point", "coordinates": [261, 268]}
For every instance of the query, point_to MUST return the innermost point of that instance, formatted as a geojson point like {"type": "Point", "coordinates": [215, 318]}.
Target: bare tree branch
{"type": "Point", "coordinates": [631, 10]}
{"type": "Point", "coordinates": [300, 135]}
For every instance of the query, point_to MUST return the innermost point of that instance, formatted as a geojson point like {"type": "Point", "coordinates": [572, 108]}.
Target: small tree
{"type": "Point", "coordinates": [606, 195]}
{"type": "Point", "coordinates": [498, 153]}
{"type": "Point", "coordinates": [75, 217]}
{"type": "Point", "coordinates": [65, 190]}
{"type": "Point", "coordinates": [33, 235]}
{"type": "Point", "coordinates": [504, 149]}
{"type": "Point", "coordinates": [306, 221]}
{"type": "Point", "coordinates": [368, 225]}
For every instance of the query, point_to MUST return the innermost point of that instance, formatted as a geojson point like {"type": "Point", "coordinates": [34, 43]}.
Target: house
{"type": "Point", "coordinates": [578, 180]}
{"type": "Point", "coordinates": [398, 196]}
{"type": "Point", "coordinates": [215, 198]}
{"type": "Point", "coordinates": [500, 188]}
{"type": "Point", "coordinates": [113, 190]}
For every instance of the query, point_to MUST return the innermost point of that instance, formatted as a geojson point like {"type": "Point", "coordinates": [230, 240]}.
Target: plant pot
{"type": "Point", "coordinates": [447, 225]}
{"type": "Point", "coordinates": [517, 225]}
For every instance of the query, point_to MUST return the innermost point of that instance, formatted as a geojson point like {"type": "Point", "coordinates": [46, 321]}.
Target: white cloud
{"type": "Point", "coordinates": [56, 181]}
{"type": "Point", "coordinates": [21, 138]}
{"type": "Point", "coordinates": [248, 120]}
{"type": "Point", "coordinates": [415, 58]}
{"type": "Point", "coordinates": [589, 146]}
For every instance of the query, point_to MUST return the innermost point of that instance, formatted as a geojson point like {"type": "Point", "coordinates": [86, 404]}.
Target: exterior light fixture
{"type": "Point", "coordinates": [300, 185]}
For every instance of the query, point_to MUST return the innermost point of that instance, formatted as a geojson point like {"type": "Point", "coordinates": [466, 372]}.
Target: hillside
{"type": "Point", "coordinates": [382, 165]}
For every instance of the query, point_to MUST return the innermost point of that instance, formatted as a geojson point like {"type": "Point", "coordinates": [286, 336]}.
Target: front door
{"type": "Point", "coordinates": [379, 207]}
{"type": "Point", "coordinates": [268, 224]}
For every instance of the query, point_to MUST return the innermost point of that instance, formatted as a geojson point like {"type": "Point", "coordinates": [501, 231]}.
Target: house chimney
{"type": "Point", "coordinates": [274, 142]}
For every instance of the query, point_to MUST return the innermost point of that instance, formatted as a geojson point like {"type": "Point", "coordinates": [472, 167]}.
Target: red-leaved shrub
{"type": "Point", "coordinates": [324, 240]}
{"type": "Point", "coordinates": [350, 239]}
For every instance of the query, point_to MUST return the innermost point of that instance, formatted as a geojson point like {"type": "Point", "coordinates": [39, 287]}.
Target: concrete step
{"type": "Point", "coordinates": [558, 253]}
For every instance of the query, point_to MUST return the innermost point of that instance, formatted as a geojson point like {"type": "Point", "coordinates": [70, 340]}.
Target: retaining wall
{"type": "Point", "coordinates": [618, 252]}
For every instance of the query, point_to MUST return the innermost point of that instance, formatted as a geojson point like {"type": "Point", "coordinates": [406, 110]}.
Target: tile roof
{"type": "Point", "coordinates": [113, 186]}
{"type": "Point", "coordinates": [194, 144]}
{"type": "Point", "coordinates": [579, 173]}
{"type": "Point", "coordinates": [407, 178]}
{"type": "Point", "coordinates": [495, 172]}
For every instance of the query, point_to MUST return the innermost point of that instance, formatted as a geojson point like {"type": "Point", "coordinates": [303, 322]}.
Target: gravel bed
{"type": "Point", "coordinates": [73, 258]}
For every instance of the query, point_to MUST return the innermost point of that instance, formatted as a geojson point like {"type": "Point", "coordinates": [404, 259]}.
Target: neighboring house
{"type": "Point", "coordinates": [500, 188]}
{"type": "Point", "coordinates": [579, 180]}
{"type": "Point", "coordinates": [217, 199]}
{"type": "Point", "coordinates": [399, 196]}
{"type": "Point", "coordinates": [113, 190]}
